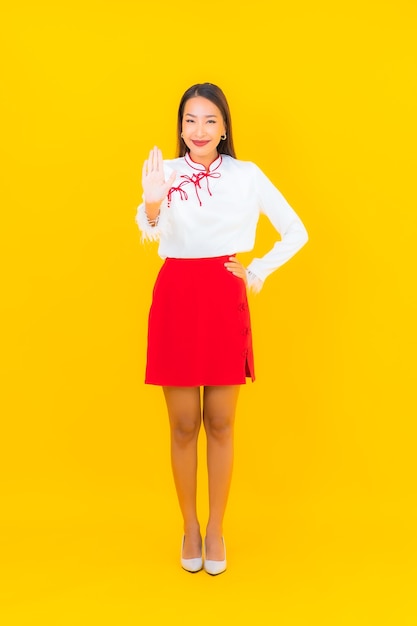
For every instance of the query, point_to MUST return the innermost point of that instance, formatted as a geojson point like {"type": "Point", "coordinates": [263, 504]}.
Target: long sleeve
{"type": "Point", "coordinates": [287, 223]}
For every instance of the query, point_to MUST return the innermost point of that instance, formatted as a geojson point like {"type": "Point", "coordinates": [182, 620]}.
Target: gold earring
{"type": "Point", "coordinates": [223, 137]}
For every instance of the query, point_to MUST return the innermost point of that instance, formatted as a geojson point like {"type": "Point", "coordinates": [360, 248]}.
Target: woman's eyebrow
{"type": "Point", "coordinates": [192, 115]}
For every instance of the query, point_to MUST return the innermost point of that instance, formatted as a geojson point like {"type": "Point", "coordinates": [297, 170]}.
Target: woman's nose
{"type": "Point", "coordinates": [200, 130]}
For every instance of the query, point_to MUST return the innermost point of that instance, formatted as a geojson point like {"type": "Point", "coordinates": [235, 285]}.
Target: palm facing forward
{"type": "Point", "coordinates": [155, 187]}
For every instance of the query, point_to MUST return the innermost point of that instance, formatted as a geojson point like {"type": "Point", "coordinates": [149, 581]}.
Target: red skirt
{"type": "Point", "coordinates": [199, 330]}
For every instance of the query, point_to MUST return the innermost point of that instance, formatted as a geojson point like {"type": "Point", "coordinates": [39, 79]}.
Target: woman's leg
{"type": "Point", "coordinates": [218, 414]}
{"type": "Point", "coordinates": [184, 412]}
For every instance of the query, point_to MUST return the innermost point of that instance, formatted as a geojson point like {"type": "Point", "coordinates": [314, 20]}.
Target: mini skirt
{"type": "Point", "coordinates": [199, 330]}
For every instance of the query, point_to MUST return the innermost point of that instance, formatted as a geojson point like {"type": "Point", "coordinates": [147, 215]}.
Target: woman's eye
{"type": "Point", "coordinates": [211, 121]}
{"type": "Point", "coordinates": [189, 121]}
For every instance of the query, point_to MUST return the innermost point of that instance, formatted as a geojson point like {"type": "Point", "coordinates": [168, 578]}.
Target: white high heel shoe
{"type": "Point", "coordinates": [191, 565]}
{"type": "Point", "coordinates": [215, 567]}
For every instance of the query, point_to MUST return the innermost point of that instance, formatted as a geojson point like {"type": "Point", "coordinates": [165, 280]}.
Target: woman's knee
{"type": "Point", "coordinates": [184, 413]}
{"type": "Point", "coordinates": [219, 411]}
{"type": "Point", "coordinates": [219, 425]}
{"type": "Point", "coordinates": [185, 428]}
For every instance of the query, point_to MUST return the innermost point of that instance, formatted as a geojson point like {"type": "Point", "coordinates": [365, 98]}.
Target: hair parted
{"type": "Point", "coordinates": [215, 95]}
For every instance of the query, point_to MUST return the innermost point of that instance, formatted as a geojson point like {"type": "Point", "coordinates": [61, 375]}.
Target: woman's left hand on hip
{"type": "Point", "coordinates": [234, 266]}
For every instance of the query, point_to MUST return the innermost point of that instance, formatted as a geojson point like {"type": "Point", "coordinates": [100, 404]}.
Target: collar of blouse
{"type": "Point", "coordinates": [198, 175]}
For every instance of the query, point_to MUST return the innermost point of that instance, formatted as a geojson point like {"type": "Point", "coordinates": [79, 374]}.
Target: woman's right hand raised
{"type": "Point", "coordinates": [155, 187]}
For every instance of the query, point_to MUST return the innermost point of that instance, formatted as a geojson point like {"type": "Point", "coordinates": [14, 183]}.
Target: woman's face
{"type": "Point", "coordinates": [202, 128]}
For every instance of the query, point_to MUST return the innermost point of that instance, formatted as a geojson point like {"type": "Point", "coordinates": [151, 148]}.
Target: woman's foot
{"type": "Point", "coordinates": [214, 547]}
{"type": "Point", "coordinates": [215, 566]}
{"type": "Point", "coordinates": [191, 546]}
{"type": "Point", "coordinates": [191, 552]}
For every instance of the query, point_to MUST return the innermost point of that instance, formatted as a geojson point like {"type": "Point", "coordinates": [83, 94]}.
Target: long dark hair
{"type": "Point", "coordinates": [215, 95]}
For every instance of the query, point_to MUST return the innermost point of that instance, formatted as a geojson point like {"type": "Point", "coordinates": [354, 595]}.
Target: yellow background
{"type": "Point", "coordinates": [321, 521]}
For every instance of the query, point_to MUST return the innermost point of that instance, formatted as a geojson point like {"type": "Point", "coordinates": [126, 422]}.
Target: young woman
{"type": "Point", "coordinates": [203, 208]}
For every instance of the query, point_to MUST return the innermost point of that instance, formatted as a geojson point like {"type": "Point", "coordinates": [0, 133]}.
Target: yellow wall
{"type": "Point", "coordinates": [323, 97]}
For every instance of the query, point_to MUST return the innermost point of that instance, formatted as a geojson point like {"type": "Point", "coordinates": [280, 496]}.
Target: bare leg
{"type": "Point", "coordinates": [218, 414]}
{"type": "Point", "coordinates": [184, 412]}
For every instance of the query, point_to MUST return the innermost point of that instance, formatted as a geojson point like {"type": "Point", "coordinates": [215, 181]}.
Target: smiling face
{"type": "Point", "coordinates": [202, 128]}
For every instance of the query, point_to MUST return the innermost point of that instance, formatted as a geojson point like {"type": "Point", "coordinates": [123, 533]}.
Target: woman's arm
{"type": "Point", "coordinates": [287, 223]}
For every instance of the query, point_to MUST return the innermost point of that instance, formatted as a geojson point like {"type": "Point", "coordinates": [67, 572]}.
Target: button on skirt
{"type": "Point", "coordinates": [199, 330]}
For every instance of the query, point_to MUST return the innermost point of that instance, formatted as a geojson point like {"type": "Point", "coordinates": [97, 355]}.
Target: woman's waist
{"type": "Point", "coordinates": [167, 251]}
{"type": "Point", "coordinates": [222, 257]}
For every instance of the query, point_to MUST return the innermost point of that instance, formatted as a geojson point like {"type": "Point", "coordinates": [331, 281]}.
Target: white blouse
{"type": "Point", "coordinates": [215, 213]}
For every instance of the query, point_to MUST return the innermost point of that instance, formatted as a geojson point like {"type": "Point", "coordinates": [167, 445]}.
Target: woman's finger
{"type": "Point", "coordinates": [233, 263]}
{"type": "Point", "coordinates": [236, 268]}
{"type": "Point", "coordinates": [144, 169]}
{"type": "Point", "coordinates": [159, 161]}
{"type": "Point", "coordinates": [152, 160]}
